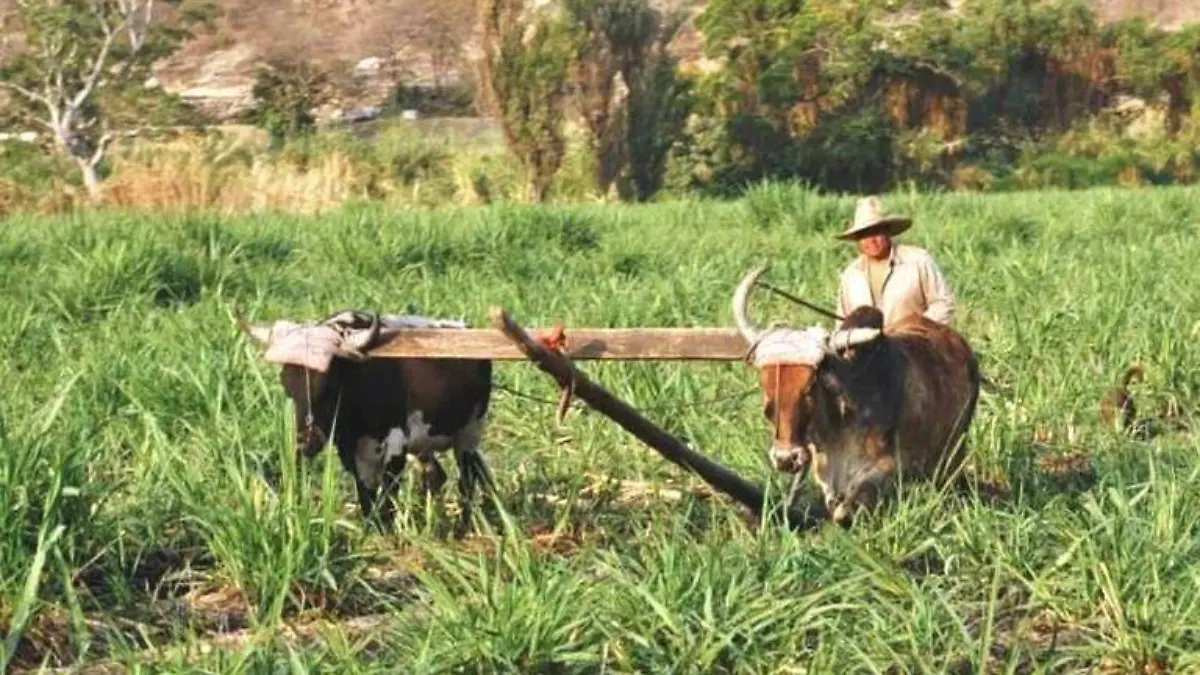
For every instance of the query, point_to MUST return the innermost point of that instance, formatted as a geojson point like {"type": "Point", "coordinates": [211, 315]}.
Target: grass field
{"type": "Point", "coordinates": [151, 514]}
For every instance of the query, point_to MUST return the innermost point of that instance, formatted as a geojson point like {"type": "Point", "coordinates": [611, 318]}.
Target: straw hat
{"type": "Point", "coordinates": [870, 215]}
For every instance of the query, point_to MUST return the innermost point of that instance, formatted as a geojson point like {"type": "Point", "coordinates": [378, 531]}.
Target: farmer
{"type": "Point", "coordinates": [898, 279]}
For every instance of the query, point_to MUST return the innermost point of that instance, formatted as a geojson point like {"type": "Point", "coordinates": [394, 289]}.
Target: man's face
{"type": "Point", "coordinates": [876, 246]}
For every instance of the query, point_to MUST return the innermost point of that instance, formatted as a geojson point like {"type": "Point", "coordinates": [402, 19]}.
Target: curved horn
{"type": "Point", "coordinates": [846, 338]}
{"type": "Point", "coordinates": [741, 297]}
{"type": "Point", "coordinates": [360, 340]}
{"type": "Point", "coordinates": [258, 332]}
{"type": "Point", "coordinates": [346, 317]}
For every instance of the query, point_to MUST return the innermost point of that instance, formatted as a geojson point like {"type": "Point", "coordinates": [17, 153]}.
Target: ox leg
{"type": "Point", "coordinates": [433, 476]}
{"type": "Point", "coordinates": [393, 476]}
{"type": "Point", "coordinates": [472, 467]}
{"type": "Point", "coordinates": [378, 467]}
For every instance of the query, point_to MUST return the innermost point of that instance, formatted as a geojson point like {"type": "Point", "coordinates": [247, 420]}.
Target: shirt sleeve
{"type": "Point", "coordinates": [843, 299]}
{"type": "Point", "coordinates": [940, 302]}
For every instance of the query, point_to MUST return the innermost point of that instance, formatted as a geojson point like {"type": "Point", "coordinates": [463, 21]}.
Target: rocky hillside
{"type": "Point", "coordinates": [426, 40]}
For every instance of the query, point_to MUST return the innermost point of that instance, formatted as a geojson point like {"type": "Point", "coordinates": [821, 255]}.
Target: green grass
{"type": "Point", "coordinates": [150, 508]}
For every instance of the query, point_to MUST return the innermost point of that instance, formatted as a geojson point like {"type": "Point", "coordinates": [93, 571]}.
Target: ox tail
{"type": "Point", "coordinates": [977, 379]}
{"type": "Point", "coordinates": [957, 442]}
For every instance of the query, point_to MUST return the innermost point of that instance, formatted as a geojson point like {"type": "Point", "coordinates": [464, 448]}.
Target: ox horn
{"type": "Point", "coordinates": [258, 332]}
{"type": "Point", "coordinates": [346, 318]}
{"type": "Point", "coordinates": [361, 339]}
{"type": "Point", "coordinates": [851, 337]}
{"type": "Point", "coordinates": [741, 297]}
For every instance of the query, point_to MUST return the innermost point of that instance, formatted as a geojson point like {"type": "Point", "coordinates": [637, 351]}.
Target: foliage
{"type": "Point", "coordinates": [658, 107]}
{"type": "Point", "coordinates": [857, 95]}
{"type": "Point", "coordinates": [83, 65]}
{"type": "Point", "coordinates": [523, 80]}
{"type": "Point", "coordinates": [287, 90]}
{"type": "Point", "coordinates": [453, 100]}
{"type": "Point", "coordinates": [631, 97]}
{"type": "Point", "coordinates": [155, 519]}
{"type": "Point", "coordinates": [844, 95]}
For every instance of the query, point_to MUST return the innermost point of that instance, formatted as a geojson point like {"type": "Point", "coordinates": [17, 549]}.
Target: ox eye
{"type": "Point", "coordinates": [769, 409]}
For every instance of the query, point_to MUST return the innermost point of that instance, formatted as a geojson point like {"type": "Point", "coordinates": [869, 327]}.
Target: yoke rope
{"type": "Point", "coordinates": [719, 399]}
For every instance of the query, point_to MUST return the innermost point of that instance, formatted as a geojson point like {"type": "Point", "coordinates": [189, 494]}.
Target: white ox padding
{"type": "Point", "coordinates": [781, 346]}
{"type": "Point", "coordinates": [314, 346]}
{"type": "Point", "coordinates": [402, 321]}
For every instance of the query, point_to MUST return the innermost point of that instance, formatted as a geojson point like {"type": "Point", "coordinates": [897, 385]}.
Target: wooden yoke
{"type": "Point", "coordinates": [624, 344]}
{"type": "Point", "coordinates": [670, 447]}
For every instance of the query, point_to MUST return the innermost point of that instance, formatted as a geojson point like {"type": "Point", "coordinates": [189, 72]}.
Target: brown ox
{"type": "Point", "coordinates": [866, 405]}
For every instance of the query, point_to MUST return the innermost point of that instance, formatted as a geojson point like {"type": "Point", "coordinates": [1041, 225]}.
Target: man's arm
{"type": "Point", "coordinates": [843, 298]}
{"type": "Point", "coordinates": [941, 304]}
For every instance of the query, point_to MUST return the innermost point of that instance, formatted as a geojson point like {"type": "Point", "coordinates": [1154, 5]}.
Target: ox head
{"type": "Point", "coordinates": [311, 357]}
{"type": "Point", "coordinates": [791, 365]}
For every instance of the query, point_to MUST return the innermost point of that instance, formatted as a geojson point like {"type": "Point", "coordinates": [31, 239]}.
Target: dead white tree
{"type": "Point", "coordinates": [74, 53]}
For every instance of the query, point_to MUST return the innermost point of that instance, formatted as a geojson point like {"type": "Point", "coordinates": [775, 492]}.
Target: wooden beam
{"type": "Point", "coordinates": [625, 344]}
{"type": "Point", "coordinates": [674, 450]}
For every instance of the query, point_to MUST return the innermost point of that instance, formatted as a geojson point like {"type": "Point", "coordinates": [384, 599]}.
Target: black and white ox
{"type": "Point", "coordinates": [379, 411]}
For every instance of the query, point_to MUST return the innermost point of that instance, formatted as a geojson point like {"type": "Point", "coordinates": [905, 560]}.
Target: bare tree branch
{"type": "Point", "coordinates": [101, 148]}
{"type": "Point", "coordinates": [67, 59]}
{"type": "Point", "coordinates": [31, 96]}
{"type": "Point", "coordinates": [89, 83]}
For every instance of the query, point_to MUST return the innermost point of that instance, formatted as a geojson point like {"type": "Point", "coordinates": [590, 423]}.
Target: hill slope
{"type": "Point", "coordinates": [426, 39]}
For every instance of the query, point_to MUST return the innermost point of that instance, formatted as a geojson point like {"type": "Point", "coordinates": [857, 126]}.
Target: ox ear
{"type": "Point", "coordinates": [832, 383]}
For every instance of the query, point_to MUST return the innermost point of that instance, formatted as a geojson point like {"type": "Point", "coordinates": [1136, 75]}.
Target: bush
{"type": "Point", "coordinates": [286, 91]}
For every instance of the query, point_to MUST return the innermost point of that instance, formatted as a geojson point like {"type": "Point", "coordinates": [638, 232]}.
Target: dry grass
{"type": "Point", "coordinates": [238, 175]}
{"type": "Point", "coordinates": [175, 181]}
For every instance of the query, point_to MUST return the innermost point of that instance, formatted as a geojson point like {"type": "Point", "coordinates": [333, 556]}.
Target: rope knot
{"type": "Point", "coordinates": [556, 342]}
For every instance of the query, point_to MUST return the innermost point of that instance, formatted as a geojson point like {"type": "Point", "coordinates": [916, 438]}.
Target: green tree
{"type": "Point", "coordinates": [286, 91]}
{"type": "Point", "coordinates": [594, 72]}
{"type": "Point", "coordinates": [82, 62]}
{"type": "Point", "coordinates": [625, 42]}
{"type": "Point", "coordinates": [657, 108]}
{"type": "Point", "coordinates": [1152, 61]}
{"type": "Point", "coordinates": [790, 66]}
{"type": "Point", "coordinates": [524, 82]}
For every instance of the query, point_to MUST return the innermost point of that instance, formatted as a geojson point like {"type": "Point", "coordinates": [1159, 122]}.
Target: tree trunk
{"type": "Point", "coordinates": [86, 158]}
{"type": "Point", "coordinates": [91, 179]}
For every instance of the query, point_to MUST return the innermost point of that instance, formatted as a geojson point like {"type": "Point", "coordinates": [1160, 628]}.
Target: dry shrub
{"type": "Point", "coordinates": [58, 197]}
{"type": "Point", "coordinates": [166, 181]}
{"type": "Point", "coordinates": [190, 174]}
{"type": "Point", "coordinates": [233, 173]}
{"type": "Point", "coordinates": [187, 172]}
{"type": "Point", "coordinates": [1130, 176]}
{"type": "Point", "coordinates": [13, 197]}
{"type": "Point", "coordinates": [971, 178]}
{"type": "Point", "coordinates": [330, 181]}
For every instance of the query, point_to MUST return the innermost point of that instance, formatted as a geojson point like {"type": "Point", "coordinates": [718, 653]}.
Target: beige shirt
{"type": "Point", "coordinates": [913, 284]}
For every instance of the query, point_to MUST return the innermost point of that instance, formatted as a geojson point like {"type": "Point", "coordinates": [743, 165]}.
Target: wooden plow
{"type": "Point", "coordinates": [555, 354]}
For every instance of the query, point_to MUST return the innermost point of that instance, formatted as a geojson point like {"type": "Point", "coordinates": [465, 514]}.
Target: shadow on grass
{"type": "Point", "coordinates": [167, 597]}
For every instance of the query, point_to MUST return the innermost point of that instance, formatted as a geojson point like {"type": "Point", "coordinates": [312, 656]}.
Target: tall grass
{"type": "Point", "coordinates": [152, 506]}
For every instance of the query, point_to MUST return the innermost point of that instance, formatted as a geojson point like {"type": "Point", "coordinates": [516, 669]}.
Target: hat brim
{"type": "Point", "coordinates": [892, 226]}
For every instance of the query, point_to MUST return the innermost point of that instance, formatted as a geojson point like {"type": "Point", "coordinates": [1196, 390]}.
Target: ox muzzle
{"type": "Point", "coordinates": [789, 458]}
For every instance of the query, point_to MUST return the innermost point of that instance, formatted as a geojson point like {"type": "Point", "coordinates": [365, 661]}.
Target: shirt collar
{"type": "Point", "coordinates": [894, 258]}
